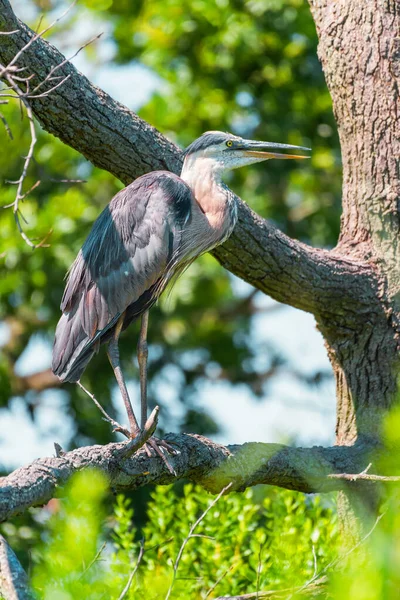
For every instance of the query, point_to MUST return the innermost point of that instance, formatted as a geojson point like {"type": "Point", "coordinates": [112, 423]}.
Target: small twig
{"type": "Point", "coordinates": [31, 146]}
{"type": "Point", "coordinates": [27, 240]}
{"type": "Point", "coordinates": [95, 559]}
{"type": "Point", "coordinates": [39, 23]}
{"type": "Point", "coordinates": [19, 194]}
{"type": "Point", "coordinates": [23, 79]}
{"type": "Point", "coordinates": [59, 451]}
{"type": "Point", "coordinates": [116, 426]}
{"type": "Point", "coordinates": [6, 125]}
{"type": "Point", "coordinates": [212, 588]}
{"type": "Point", "coordinates": [364, 476]}
{"type": "Point", "coordinates": [132, 575]}
{"type": "Point", "coordinates": [190, 535]}
{"type": "Point", "coordinates": [29, 94]}
{"type": "Point", "coordinates": [34, 38]}
{"type": "Point", "coordinates": [259, 569]}
{"type": "Point", "coordinates": [49, 91]}
{"type": "Point", "coordinates": [315, 562]}
{"type": "Point", "coordinates": [67, 180]}
{"type": "Point", "coordinates": [50, 74]}
{"type": "Point", "coordinates": [35, 185]}
{"type": "Point", "coordinates": [9, 73]}
{"type": "Point", "coordinates": [9, 32]}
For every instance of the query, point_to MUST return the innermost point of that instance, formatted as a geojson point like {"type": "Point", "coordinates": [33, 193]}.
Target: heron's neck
{"type": "Point", "coordinates": [204, 176]}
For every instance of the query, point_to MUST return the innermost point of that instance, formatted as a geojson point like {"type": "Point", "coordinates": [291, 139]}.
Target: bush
{"type": "Point", "coordinates": [263, 539]}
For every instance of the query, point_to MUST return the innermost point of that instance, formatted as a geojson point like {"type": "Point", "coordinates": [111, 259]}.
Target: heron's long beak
{"type": "Point", "coordinates": [267, 149]}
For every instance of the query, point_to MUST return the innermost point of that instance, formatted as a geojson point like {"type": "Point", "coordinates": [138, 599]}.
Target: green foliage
{"type": "Point", "coordinates": [264, 539]}
{"type": "Point", "coordinates": [269, 538]}
{"type": "Point", "coordinates": [370, 570]}
{"type": "Point", "coordinates": [64, 570]}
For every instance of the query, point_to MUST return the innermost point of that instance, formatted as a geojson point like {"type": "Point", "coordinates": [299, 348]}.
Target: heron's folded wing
{"type": "Point", "coordinates": [128, 250]}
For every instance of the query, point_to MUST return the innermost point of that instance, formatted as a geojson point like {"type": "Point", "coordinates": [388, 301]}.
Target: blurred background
{"type": "Point", "coordinates": [224, 360]}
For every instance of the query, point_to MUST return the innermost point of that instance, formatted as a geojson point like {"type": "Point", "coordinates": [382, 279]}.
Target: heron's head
{"type": "Point", "coordinates": [224, 151]}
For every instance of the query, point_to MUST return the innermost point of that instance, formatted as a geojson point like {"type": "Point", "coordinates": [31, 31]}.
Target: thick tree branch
{"type": "Point", "coordinates": [314, 280]}
{"type": "Point", "coordinates": [13, 579]}
{"type": "Point", "coordinates": [116, 139]}
{"type": "Point", "coordinates": [200, 460]}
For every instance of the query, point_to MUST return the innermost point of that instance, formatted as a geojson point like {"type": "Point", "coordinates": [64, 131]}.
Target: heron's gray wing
{"type": "Point", "coordinates": [128, 250]}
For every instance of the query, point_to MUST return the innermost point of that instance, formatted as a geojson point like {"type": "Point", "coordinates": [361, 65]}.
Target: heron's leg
{"type": "Point", "coordinates": [142, 354]}
{"type": "Point", "coordinates": [113, 356]}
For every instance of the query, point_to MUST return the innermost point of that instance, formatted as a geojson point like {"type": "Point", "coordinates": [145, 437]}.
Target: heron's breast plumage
{"type": "Point", "coordinates": [214, 216]}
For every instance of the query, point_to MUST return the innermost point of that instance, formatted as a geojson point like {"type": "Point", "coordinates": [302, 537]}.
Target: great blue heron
{"type": "Point", "coordinates": [147, 235]}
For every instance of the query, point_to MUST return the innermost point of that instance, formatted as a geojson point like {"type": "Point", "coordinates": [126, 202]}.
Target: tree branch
{"type": "Point", "coordinates": [13, 579]}
{"type": "Point", "coordinates": [200, 460]}
{"type": "Point", "coordinates": [37, 382]}
{"type": "Point", "coordinates": [116, 139]}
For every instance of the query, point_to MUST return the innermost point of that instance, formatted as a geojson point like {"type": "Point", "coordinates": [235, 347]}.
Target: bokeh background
{"type": "Point", "coordinates": [224, 360]}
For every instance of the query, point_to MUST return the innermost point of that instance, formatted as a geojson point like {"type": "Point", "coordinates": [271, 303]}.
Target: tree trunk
{"type": "Point", "coordinates": [359, 49]}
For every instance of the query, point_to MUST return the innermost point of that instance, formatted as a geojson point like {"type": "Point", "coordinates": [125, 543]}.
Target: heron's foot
{"type": "Point", "coordinates": [153, 446]}
{"type": "Point", "coordinates": [161, 444]}
{"type": "Point", "coordinates": [157, 447]}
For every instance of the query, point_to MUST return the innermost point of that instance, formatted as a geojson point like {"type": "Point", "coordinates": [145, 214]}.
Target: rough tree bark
{"type": "Point", "coordinates": [199, 460]}
{"type": "Point", "coordinates": [353, 290]}
{"type": "Point", "coordinates": [360, 53]}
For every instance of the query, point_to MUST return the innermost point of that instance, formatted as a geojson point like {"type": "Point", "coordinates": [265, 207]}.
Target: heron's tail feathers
{"type": "Point", "coordinates": [72, 349]}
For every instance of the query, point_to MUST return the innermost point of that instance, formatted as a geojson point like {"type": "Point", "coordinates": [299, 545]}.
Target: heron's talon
{"type": "Point", "coordinates": [167, 448]}
{"type": "Point", "coordinates": [149, 451]}
{"type": "Point", "coordinates": [156, 447]}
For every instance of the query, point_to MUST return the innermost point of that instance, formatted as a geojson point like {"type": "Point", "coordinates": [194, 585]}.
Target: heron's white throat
{"type": "Point", "coordinates": [203, 174]}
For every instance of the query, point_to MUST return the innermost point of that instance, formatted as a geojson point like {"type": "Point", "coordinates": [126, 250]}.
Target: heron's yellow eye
{"type": "Point", "coordinates": [229, 144]}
